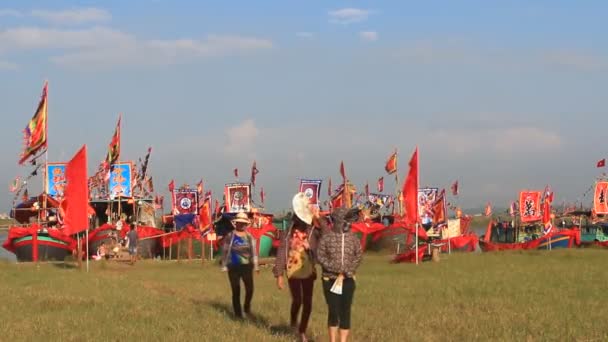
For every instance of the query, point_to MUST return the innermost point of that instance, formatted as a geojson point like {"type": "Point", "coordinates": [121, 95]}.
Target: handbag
{"type": "Point", "coordinates": [337, 285]}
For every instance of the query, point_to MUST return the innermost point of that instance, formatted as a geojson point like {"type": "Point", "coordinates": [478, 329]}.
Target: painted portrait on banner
{"type": "Point", "coordinates": [55, 179]}
{"type": "Point", "coordinates": [312, 189]}
{"type": "Point", "coordinates": [120, 183]}
{"type": "Point", "coordinates": [426, 200]}
{"type": "Point", "coordinates": [238, 197]}
{"type": "Point", "coordinates": [186, 201]}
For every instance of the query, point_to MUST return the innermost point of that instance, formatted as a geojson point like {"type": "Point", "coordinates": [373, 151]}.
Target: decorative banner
{"type": "Point", "coordinates": [121, 180]}
{"type": "Point", "coordinates": [600, 203]}
{"type": "Point", "coordinates": [238, 197]}
{"type": "Point", "coordinates": [186, 201]}
{"type": "Point", "coordinates": [379, 199]}
{"type": "Point", "coordinates": [312, 189]}
{"type": "Point", "coordinates": [55, 179]}
{"type": "Point", "coordinates": [426, 200]}
{"type": "Point", "coordinates": [529, 206]}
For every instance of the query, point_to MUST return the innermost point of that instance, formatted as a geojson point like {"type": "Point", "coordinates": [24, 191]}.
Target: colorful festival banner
{"type": "Point", "coordinates": [312, 189]}
{"type": "Point", "coordinates": [600, 203]}
{"type": "Point", "coordinates": [530, 206]}
{"type": "Point", "coordinates": [238, 197]}
{"type": "Point", "coordinates": [55, 179]}
{"type": "Point", "coordinates": [186, 201]}
{"type": "Point", "coordinates": [379, 199]}
{"type": "Point", "coordinates": [120, 183]}
{"type": "Point", "coordinates": [426, 201]}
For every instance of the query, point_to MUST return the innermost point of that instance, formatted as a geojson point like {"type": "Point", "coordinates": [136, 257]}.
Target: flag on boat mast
{"type": "Point", "coordinates": [35, 133]}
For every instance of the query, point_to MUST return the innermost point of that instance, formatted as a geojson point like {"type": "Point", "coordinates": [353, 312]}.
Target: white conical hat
{"type": "Point", "coordinates": [301, 207]}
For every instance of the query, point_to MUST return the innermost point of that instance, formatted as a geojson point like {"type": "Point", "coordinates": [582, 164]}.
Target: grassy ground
{"type": "Point", "coordinates": [515, 296]}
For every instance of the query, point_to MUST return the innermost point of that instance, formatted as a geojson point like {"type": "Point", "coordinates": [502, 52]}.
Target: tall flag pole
{"type": "Point", "coordinates": [254, 172]}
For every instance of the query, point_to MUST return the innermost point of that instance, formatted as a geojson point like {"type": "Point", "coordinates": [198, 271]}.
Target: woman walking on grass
{"type": "Point", "coordinates": [240, 259]}
{"type": "Point", "coordinates": [296, 257]}
{"type": "Point", "coordinates": [339, 254]}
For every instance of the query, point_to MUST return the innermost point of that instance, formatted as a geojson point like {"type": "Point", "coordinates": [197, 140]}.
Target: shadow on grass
{"type": "Point", "coordinates": [257, 320]}
{"type": "Point", "coordinates": [65, 265]}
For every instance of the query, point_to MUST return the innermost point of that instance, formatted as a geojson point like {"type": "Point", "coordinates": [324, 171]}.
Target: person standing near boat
{"type": "Point", "coordinates": [296, 257]}
{"type": "Point", "coordinates": [240, 259]}
{"type": "Point", "coordinates": [339, 254]}
{"type": "Point", "coordinates": [132, 243]}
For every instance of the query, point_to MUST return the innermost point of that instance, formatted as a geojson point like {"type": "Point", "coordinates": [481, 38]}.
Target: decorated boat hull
{"type": "Point", "coordinates": [35, 244]}
{"type": "Point", "coordinates": [567, 238]}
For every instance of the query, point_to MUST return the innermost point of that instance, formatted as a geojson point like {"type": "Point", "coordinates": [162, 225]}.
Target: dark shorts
{"type": "Point", "coordinates": [132, 250]}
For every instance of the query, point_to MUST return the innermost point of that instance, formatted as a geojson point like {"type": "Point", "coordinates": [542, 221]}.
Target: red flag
{"type": "Point", "coordinates": [454, 188]}
{"type": "Point", "coordinates": [114, 146]}
{"type": "Point", "coordinates": [171, 185]}
{"type": "Point", "coordinates": [391, 164]}
{"type": "Point", "coordinates": [262, 195]}
{"type": "Point", "coordinates": [380, 184]}
{"type": "Point", "coordinates": [76, 194]}
{"type": "Point", "coordinates": [439, 208]}
{"type": "Point", "coordinates": [35, 133]}
{"type": "Point", "coordinates": [236, 173]}
{"type": "Point", "coordinates": [199, 189]}
{"type": "Point", "coordinates": [329, 188]}
{"type": "Point", "coordinates": [254, 172]}
{"type": "Point", "coordinates": [488, 209]}
{"type": "Point", "coordinates": [26, 196]}
{"type": "Point", "coordinates": [342, 171]}
{"type": "Point", "coordinates": [205, 214]}
{"type": "Point", "coordinates": [530, 206]}
{"type": "Point", "coordinates": [410, 190]}
{"type": "Point", "coordinates": [366, 190]}
{"type": "Point", "coordinates": [601, 163]}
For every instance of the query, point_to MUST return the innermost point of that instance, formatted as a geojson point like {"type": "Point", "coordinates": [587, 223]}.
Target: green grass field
{"type": "Point", "coordinates": [515, 296]}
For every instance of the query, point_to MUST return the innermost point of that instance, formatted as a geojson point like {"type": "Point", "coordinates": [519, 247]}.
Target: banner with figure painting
{"type": "Point", "coordinates": [238, 197]}
{"type": "Point", "coordinates": [426, 200]}
{"type": "Point", "coordinates": [530, 206]}
{"type": "Point", "coordinates": [55, 179]}
{"type": "Point", "coordinates": [312, 189]}
{"type": "Point", "coordinates": [121, 177]}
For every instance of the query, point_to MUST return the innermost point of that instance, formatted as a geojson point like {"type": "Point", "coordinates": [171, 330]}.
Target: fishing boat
{"type": "Point", "coordinates": [499, 237]}
{"type": "Point", "coordinates": [37, 243]}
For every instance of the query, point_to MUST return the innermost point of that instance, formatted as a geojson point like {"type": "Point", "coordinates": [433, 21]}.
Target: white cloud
{"type": "Point", "coordinates": [348, 15]}
{"type": "Point", "coordinates": [105, 47]}
{"type": "Point", "coordinates": [241, 138]}
{"type": "Point", "coordinates": [505, 141]}
{"type": "Point", "coordinates": [368, 36]}
{"type": "Point", "coordinates": [10, 13]}
{"type": "Point", "coordinates": [73, 16]}
{"type": "Point", "coordinates": [576, 60]}
{"type": "Point", "coordinates": [305, 35]}
{"type": "Point", "coordinates": [4, 65]}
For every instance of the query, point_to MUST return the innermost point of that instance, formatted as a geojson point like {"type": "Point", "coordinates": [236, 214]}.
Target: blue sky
{"type": "Point", "coordinates": [501, 96]}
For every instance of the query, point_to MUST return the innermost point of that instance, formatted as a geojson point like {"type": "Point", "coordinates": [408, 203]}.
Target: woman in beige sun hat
{"type": "Point", "coordinates": [296, 257]}
{"type": "Point", "coordinates": [240, 259]}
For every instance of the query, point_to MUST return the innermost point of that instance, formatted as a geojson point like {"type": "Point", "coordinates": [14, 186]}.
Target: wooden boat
{"type": "Point", "coordinates": [528, 237]}
{"type": "Point", "coordinates": [35, 243]}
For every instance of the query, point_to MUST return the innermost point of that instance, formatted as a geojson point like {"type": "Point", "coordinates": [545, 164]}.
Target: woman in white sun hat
{"type": "Point", "coordinates": [240, 259]}
{"type": "Point", "coordinates": [296, 257]}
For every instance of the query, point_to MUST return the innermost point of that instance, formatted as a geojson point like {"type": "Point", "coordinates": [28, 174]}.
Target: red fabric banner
{"type": "Point", "coordinates": [600, 200]}
{"type": "Point", "coordinates": [530, 206]}
{"type": "Point", "coordinates": [380, 184]}
{"type": "Point", "coordinates": [410, 190]}
{"type": "Point", "coordinates": [114, 146]}
{"type": "Point", "coordinates": [76, 194]}
{"type": "Point", "coordinates": [601, 163]}
{"type": "Point", "coordinates": [342, 171]}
